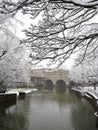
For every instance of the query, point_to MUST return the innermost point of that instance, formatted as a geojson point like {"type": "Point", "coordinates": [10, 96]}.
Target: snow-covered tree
{"type": "Point", "coordinates": [14, 66]}
{"type": "Point", "coordinates": [87, 71]}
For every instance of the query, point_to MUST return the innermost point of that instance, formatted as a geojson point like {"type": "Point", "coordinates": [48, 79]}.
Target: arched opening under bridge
{"type": "Point", "coordinates": [60, 83]}
{"type": "Point", "coordinates": [48, 83]}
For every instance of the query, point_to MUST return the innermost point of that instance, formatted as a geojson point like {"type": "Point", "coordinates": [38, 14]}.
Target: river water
{"type": "Point", "coordinates": [49, 110]}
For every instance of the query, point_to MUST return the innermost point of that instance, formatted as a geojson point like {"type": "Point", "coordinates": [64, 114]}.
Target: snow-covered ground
{"type": "Point", "coordinates": [25, 90]}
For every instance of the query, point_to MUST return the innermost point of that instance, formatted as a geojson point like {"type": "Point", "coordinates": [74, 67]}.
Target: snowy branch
{"type": "Point", "coordinates": [60, 32]}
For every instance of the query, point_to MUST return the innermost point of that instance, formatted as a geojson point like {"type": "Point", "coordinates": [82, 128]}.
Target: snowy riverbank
{"type": "Point", "coordinates": [25, 90]}
{"type": "Point", "coordinates": [90, 94]}
{"type": "Point", "coordinates": [90, 90]}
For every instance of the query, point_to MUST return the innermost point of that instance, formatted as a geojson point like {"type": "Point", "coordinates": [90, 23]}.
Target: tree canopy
{"type": "Point", "coordinates": [64, 29]}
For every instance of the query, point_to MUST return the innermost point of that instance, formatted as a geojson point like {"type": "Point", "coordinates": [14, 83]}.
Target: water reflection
{"type": "Point", "coordinates": [49, 110]}
{"type": "Point", "coordinates": [48, 88]}
{"type": "Point", "coordinates": [60, 89]}
{"type": "Point", "coordinates": [10, 119]}
{"type": "Point", "coordinates": [83, 117]}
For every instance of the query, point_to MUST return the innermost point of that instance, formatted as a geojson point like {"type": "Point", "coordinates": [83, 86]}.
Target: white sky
{"type": "Point", "coordinates": [23, 22]}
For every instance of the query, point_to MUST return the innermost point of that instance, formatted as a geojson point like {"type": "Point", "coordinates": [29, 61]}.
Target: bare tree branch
{"type": "Point", "coordinates": [60, 33]}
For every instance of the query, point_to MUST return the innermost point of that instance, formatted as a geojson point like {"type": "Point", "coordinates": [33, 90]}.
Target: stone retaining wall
{"type": "Point", "coordinates": [8, 98]}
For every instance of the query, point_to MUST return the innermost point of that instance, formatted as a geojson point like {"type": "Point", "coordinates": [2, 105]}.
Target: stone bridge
{"type": "Point", "coordinates": [50, 78]}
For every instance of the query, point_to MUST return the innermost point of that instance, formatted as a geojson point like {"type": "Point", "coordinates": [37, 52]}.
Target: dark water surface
{"type": "Point", "coordinates": [49, 110]}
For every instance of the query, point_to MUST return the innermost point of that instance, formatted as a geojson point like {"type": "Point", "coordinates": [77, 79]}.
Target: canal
{"type": "Point", "coordinates": [49, 110]}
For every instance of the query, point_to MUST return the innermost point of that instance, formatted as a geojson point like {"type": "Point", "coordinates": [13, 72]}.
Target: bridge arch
{"type": "Point", "coordinates": [60, 83]}
{"type": "Point", "coordinates": [48, 83]}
